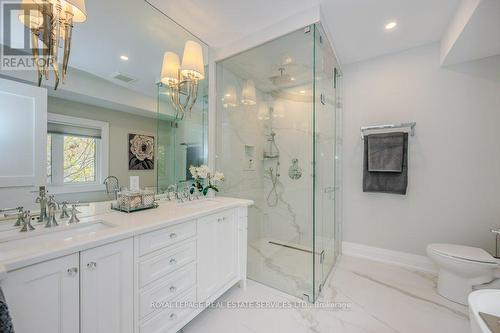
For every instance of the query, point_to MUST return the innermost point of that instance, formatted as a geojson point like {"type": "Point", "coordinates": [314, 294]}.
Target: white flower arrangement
{"type": "Point", "coordinates": [202, 174]}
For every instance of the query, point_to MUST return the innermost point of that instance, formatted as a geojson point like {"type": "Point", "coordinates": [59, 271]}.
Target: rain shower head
{"type": "Point", "coordinates": [283, 79]}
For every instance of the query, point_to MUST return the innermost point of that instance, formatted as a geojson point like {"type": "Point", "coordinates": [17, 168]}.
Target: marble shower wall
{"type": "Point", "coordinates": [243, 138]}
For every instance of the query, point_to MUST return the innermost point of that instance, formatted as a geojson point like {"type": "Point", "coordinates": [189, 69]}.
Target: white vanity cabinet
{"type": "Point", "coordinates": [133, 285]}
{"type": "Point", "coordinates": [217, 253]}
{"type": "Point", "coordinates": [193, 261]}
{"type": "Point", "coordinates": [106, 284]}
{"type": "Point", "coordinates": [85, 292]}
{"type": "Point", "coordinates": [44, 298]}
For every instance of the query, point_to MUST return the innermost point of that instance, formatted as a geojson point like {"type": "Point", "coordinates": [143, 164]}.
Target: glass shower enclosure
{"type": "Point", "coordinates": [278, 144]}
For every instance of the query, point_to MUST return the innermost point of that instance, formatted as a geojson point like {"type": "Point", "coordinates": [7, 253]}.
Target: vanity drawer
{"type": "Point", "coordinates": [158, 239]}
{"type": "Point", "coordinates": [167, 318]}
{"type": "Point", "coordinates": [166, 262]}
{"type": "Point", "coordinates": [168, 288]}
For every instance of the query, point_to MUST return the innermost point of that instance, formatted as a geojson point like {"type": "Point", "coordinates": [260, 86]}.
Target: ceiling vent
{"type": "Point", "coordinates": [123, 77]}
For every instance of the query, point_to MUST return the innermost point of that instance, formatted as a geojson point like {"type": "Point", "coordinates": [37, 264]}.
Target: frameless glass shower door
{"type": "Point", "coordinates": [325, 137]}
{"type": "Point", "coordinates": [276, 135]}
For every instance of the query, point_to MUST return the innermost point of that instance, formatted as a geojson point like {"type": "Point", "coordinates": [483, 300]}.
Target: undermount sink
{"type": "Point", "coordinates": [40, 239]}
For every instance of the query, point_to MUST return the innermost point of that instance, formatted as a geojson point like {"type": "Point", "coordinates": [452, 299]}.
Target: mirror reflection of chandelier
{"type": "Point", "coordinates": [183, 79]}
{"type": "Point", "coordinates": [51, 25]}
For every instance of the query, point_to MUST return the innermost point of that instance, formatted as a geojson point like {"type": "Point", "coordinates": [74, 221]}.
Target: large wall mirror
{"type": "Point", "coordinates": [119, 113]}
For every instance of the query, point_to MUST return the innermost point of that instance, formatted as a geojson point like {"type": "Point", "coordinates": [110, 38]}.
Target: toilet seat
{"type": "Point", "coordinates": [467, 253]}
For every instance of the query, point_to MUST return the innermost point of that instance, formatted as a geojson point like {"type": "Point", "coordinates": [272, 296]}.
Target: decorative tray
{"type": "Point", "coordinates": [134, 209]}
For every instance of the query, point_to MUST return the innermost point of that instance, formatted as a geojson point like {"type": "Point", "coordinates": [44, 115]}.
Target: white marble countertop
{"type": "Point", "coordinates": [125, 225]}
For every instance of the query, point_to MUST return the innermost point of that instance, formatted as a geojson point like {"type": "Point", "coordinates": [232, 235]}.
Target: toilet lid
{"type": "Point", "coordinates": [463, 252]}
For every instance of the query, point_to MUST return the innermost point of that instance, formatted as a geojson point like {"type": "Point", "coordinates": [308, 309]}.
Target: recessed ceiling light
{"type": "Point", "coordinates": [124, 58]}
{"type": "Point", "coordinates": [302, 92]}
{"type": "Point", "coordinates": [391, 25]}
{"type": "Point", "coordinates": [292, 79]}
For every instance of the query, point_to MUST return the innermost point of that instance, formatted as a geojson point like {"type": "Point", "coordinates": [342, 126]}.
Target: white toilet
{"type": "Point", "coordinates": [462, 268]}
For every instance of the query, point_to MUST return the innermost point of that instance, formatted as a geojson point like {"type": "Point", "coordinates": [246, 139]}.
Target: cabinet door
{"type": "Point", "coordinates": [207, 257]}
{"type": "Point", "coordinates": [23, 136]}
{"type": "Point", "coordinates": [107, 288]}
{"type": "Point", "coordinates": [44, 298]}
{"type": "Point", "coordinates": [217, 253]}
{"type": "Point", "coordinates": [227, 247]}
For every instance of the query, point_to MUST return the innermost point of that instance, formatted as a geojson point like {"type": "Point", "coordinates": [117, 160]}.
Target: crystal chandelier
{"type": "Point", "coordinates": [51, 26]}
{"type": "Point", "coordinates": [182, 80]}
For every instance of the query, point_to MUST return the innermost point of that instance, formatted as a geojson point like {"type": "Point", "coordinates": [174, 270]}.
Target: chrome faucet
{"type": "Point", "coordinates": [27, 227]}
{"type": "Point", "coordinates": [74, 218]}
{"type": "Point", "coordinates": [74, 211]}
{"type": "Point", "coordinates": [52, 208]}
{"type": "Point", "coordinates": [172, 188]}
{"type": "Point", "coordinates": [179, 197]}
{"type": "Point", "coordinates": [64, 210]}
{"type": "Point", "coordinates": [43, 201]}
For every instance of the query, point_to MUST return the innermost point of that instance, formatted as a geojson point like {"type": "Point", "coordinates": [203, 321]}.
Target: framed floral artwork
{"type": "Point", "coordinates": [141, 151]}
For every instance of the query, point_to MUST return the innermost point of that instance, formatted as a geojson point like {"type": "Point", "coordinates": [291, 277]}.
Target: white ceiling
{"type": "Point", "coordinates": [473, 34]}
{"type": "Point", "coordinates": [132, 28]}
{"type": "Point", "coordinates": [355, 25]}
{"type": "Point", "coordinates": [220, 22]}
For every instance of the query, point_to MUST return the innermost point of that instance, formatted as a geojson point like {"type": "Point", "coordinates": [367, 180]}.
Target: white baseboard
{"type": "Point", "coordinates": [403, 259]}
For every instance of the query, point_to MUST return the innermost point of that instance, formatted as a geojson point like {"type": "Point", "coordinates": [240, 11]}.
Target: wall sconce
{"type": "Point", "coordinates": [263, 111]}
{"type": "Point", "coordinates": [230, 99]}
{"type": "Point", "coordinates": [183, 79]}
{"type": "Point", "coordinates": [51, 26]}
{"type": "Point", "coordinates": [248, 95]}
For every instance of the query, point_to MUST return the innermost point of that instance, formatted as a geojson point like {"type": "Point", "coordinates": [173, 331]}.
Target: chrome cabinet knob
{"type": "Point", "coordinates": [173, 289]}
{"type": "Point", "coordinates": [91, 265]}
{"type": "Point", "coordinates": [72, 271]}
{"type": "Point", "coordinates": [173, 235]}
{"type": "Point", "coordinates": [173, 316]}
{"type": "Point", "coordinates": [173, 261]}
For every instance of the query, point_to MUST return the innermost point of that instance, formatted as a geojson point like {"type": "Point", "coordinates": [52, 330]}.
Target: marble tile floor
{"type": "Point", "coordinates": [376, 298]}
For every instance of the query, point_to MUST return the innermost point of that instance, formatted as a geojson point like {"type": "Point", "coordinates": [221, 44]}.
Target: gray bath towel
{"type": "Point", "coordinates": [385, 152]}
{"type": "Point", "coordinates": [5, 319]}
{"type": "Point", "coordinates": [386, 182]}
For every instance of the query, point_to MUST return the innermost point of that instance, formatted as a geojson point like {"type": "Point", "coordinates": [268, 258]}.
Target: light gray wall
{"type": "Point", "coordinates": [120, 125]}
{"type": "Point", "coordinates": [454, 159]}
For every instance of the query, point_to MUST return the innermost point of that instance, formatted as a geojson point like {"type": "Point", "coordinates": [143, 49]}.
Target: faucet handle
{"type": "Point", "coordinates": [51, 199]}
{"type": "Point", "coordinates": [64, 210]}
{"type": "Point", "coordinates": [74, 211]}
{"type": "Point", "coordinates": [19, 214]}
{"type": "Point", "coordinates": [27, 222]}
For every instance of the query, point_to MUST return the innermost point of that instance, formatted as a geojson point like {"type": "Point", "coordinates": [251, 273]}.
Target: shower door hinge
{"type": "Point", "coordinates": [321, 287]}
{"type": "Point", "coordinates": [320, 39]}
{"type": "Point", "coordinates": [322, 257]}
{"type": "Point", "coordinates": [335, 78]}
{"type": "Point", "coordinates": [323, 99]}
{"type": "Point", "coordinates": [306, 297]}
{"type": "Point", "coordinates": [307, 29]}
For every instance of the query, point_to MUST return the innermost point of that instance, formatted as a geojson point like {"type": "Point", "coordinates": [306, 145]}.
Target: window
{"type": "Point", "coordinates": [76, 154]}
